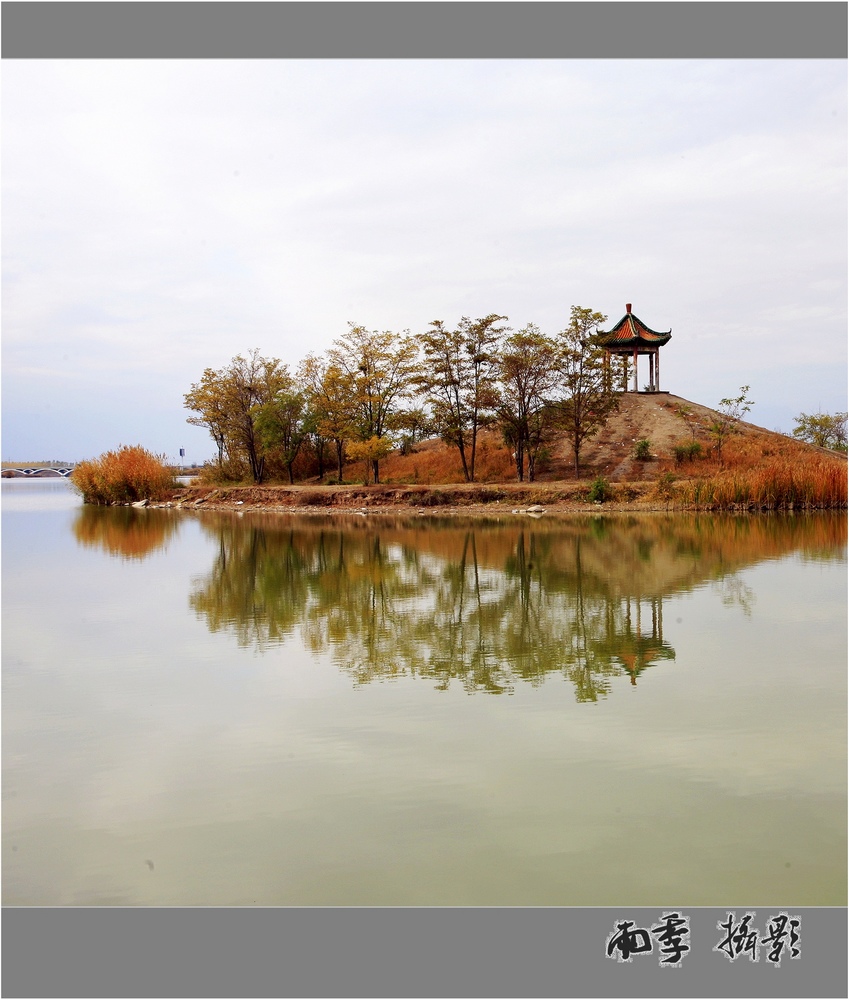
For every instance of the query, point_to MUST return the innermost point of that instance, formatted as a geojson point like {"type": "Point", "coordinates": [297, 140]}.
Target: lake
{"type": "Point", "coordinates": [213, 709]}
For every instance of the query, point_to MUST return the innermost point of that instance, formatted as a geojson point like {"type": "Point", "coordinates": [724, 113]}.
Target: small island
{"type": "Point", "coordinates": [480, 415]}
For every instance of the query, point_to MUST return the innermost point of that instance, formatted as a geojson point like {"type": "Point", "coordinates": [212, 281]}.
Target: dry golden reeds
{"type": "Point", "coordinates": [124, 476]}
{"type": "Point", "coordinates": [761, 472]}
{"type": "Point", "coordinates": [779, 485]}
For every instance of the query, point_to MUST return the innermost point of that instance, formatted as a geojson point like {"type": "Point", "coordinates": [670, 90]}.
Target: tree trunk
{"type": "Point", "coordinates": [375, 470]}
{"type": "Point", "coordinates": [461, 447]}
{"type": "Point", "coordinates": [340, 450]}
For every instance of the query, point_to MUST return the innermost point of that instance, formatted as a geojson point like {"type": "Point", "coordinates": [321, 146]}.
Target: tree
{"type": "Point", "coordinates": [459, 378]}
{"type": "Point", "coordinates": [381, 367]}
{"type": "Point", "coordinates": [687, 414]}
{"type": "Point", "coordinates": [826, 430]}
{"type": "Point", "coordinates": [440, 377]}
{"type": "Point", "coordinates": [370, 451]}
{"type": "Point", "coordinates": [528, 374]}
{"type": "Point", "coordinates": [413, 425]}
{"type": "Point", "coordinates": [207, 399]}
{"type": "Point", "coordinates": [314, 437]}
{"type": "Point", "coordinates": [281, 423]}
{"type": "Point", "coordinates": [589, 396]}
{"type": "Point", "coordinates": [227, 401]}
{"type": "Point", "coordinates": [728, 416]}
{"type": "Point", "coordinates": [331, 401]}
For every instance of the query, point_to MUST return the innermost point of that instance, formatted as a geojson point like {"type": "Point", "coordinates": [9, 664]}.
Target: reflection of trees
{"type": "Point", "coordinates": [576, 624]}
{"type": "Point", "coordinates": [734, 592]}
{"type": "Point", "coordinates": [124, 531]}
{"type": "Point", "coordinates": [481, 604]}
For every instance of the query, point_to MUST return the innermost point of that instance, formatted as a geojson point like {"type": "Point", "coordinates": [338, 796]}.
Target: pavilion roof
{"type": "Point", "coordinates": [632, 332]}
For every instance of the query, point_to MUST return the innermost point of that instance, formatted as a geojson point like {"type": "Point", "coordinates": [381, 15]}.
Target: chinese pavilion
{"type": "Point", "coordinates": [629, 339]}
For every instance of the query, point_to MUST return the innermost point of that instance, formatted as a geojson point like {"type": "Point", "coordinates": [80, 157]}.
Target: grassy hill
{"type": "Point", "coordinates": [757, 467]}
{"type": "Point", "coordinates": [665, 420]}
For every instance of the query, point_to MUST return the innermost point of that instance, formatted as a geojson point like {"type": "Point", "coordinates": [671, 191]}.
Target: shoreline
{"type": "Point", "coordinates": [531, 499]}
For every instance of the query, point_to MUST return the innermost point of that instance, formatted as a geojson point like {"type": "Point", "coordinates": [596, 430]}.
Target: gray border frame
{"type": "Point", "coordinates": [424, 30]}
{"type": "Point", "coordinates": [389, 952]}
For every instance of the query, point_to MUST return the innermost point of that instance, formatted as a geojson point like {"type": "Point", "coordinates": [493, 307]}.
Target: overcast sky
{"type": "Point", "coordinates": [160, 217]}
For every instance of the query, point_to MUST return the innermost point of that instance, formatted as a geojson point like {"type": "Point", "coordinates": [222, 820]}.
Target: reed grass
{"type": "Point", "coordinates": [124, 476]}
{"type": "Point", "coordinates": [777, 485]}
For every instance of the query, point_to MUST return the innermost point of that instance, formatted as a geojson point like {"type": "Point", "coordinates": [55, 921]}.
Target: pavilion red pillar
{"type": "Point", "coordinates": [636, 389]}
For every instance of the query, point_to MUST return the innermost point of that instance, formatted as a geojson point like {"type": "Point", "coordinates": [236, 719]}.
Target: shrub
{"type": "Point", "coordinates": [223, 473]}
{"type": "Point", "coordinates": [826, 430]}
{"type": "Point", "coordinates": [600, 490]}
{"type": "Point", "coordinates": [123, 476]}
{"type": "Point", "coordinates": [727, 420]}
{"type": "Point", "coordinates": [664, 487]}
{"type": "Point", "coordinates": [642, 450]}
{"type": "Point", "coordinates": [686, 452]}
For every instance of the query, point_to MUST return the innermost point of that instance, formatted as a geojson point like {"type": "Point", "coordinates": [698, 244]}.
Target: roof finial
{"type": "Point", "coordinates": [627, 307]}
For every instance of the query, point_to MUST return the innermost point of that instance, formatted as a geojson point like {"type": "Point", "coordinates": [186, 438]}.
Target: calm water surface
{"type": "Point", "coordinates": [207, 709]}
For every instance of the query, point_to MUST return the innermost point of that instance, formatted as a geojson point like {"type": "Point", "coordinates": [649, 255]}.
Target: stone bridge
{"type": "Point", "coordinates": [38, 473]}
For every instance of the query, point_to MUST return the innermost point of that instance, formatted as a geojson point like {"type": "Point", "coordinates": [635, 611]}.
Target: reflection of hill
{"type": "Point", "coordinates": [483, 603]}
{"type": "Point", "coordinates": [124, 531]}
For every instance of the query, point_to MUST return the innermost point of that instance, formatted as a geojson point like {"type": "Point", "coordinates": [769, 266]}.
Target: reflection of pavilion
{"type": "Point", "coordinates": [624, 642]}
